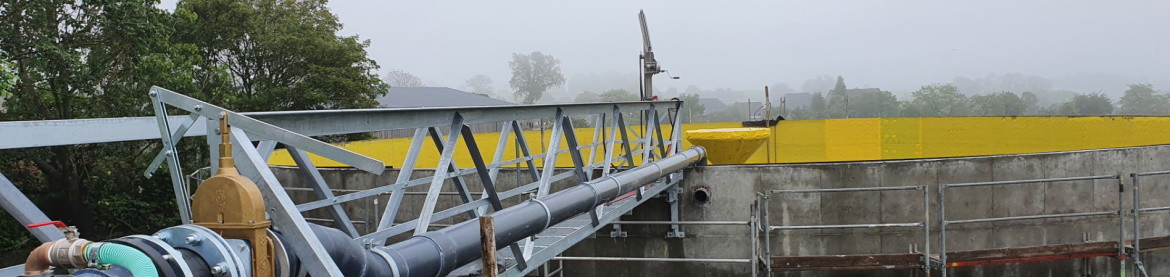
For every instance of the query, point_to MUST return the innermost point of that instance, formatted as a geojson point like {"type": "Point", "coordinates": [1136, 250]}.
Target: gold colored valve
{"type": "Point", "coordinates": [231, 205]}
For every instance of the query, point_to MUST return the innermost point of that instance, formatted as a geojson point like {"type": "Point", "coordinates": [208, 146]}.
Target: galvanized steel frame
{"type": "Point", "coordinates": [762, 200]}
{"type": "Point", "coordinates": [1136, 212]}
{"type": "Point", "coordinates": [1118, 213]}
{"type": "Point", "coordinates": [292, 129]}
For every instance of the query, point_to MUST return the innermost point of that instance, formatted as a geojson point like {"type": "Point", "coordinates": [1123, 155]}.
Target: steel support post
{"type": "Point", "coordinates": [178, 183]}
{"type": "Point", "coordinates": [460, 183]}
{"type": "Point", "coordinates": [672, 195]}
{"type": "Point", "coordinates": [391, 211]}
{"type": "Point", "coordinates": [1121, 226]}
{"type": "Point", "coordinates": [942, 228]}
{"type": "Point", "coordinates": [445, 160]}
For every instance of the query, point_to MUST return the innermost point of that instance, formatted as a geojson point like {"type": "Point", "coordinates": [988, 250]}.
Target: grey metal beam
{"type": "Point", "coordinates": [317, 183]}
{"type": "Point", "coordinates": [25, 212]}
{"type": "Point", "coordinates": [282, 210]}
{"type": "Point", "coordinates": [267, 131]}
{"type": "Point", "coordinates": [391, 210]}
{"type": "Point", "coordinates": [445, 160]}
{"type": "Point", "coordinates": [457, 180]}
{"type": "Point", "coordinates": [26, 134]}
{"type": "Point", "coordinates": [178, 183]}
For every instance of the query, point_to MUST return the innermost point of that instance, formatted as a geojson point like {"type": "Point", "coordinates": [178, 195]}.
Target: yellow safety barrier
{"type": "Point", "coordinates": [859, 139]}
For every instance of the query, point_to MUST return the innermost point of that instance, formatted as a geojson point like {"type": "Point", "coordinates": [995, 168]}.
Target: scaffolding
{"type": "Point", "coordinates": [916, 259]}
{"type": "Point", "coordinates": [1032, 253]}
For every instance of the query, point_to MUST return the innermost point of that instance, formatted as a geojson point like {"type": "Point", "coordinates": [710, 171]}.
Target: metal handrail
{"type": "Point", "coordinates": [942, 189]}
{"type": "Point", "coordinates": [924, 224]}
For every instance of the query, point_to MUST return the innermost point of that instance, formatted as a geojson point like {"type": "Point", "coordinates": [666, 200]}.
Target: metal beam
{"type": "Point", "coordinates": [282, 210]}
{"type": "Point", "coordinates": [317, 183]}
{"type": "Point", "coordinates": [25, 212]}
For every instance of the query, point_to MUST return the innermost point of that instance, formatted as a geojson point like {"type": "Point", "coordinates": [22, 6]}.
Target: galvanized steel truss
{"type": "Point", "coordinates": [292, 128]}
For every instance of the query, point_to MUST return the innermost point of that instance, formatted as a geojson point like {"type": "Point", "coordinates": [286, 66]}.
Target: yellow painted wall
{"type": "Point", "coordinates": [800, 141]}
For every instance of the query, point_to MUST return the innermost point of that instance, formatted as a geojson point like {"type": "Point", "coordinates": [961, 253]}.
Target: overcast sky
{"type": "Point", "coordinates": [893, 45]}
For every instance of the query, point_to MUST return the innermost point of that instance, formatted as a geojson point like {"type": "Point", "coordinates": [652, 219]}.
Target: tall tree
{"type": "Point", "coordinates": [533, 74]}
{"type": "Point", "coordinates": [1088, 104]}
{"type": "Point", "coordinates": [692, 108]}
{"type": "Point", "coordinates": [936, 100]}
{"type": "Point", "coordinates": [839, 100]}
{"type": "Point", "coordinates": [281, 55]}
{"type": "Point", "coordinates": [84, 59]}
{"type": "Point", "coordinates": [1141, 99]}
{"type": "Point", "coordinates": [399, 78]}
{"type": "Point", "coordinates": [480, 84]}
{"type": "Point", "coordinates": [872, 103]}
{"type": "Point", "coordinates": [998, 104]}
{"type": "Point", "coordinates": [818, 107]}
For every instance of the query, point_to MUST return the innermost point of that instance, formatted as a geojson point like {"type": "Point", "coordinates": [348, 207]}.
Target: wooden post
{"type": "Point", "coordinates": [487, 238]}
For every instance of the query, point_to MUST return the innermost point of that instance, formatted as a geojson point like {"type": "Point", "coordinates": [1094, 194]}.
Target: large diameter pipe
{"type": "Point", "coordinates": [437, 253]}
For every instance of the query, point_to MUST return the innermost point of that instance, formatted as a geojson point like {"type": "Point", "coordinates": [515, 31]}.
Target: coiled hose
{"type": "Point", "coordinates": [139, 264]}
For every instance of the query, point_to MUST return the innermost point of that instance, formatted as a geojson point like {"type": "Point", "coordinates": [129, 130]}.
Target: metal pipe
{"type": "Point", "coordinates": [1023, 217]}
{"type": "Point", "coordinates": [438, 252]}
{"type": "Point", "coordinates": [629, 259]}
{"type": "Point", "coordinates": [847, 189]}
{"type": "Point", "coordinates": [1142, 174]}
{"type": "Point", "coordinates": [1153, 209]}
{"type": "Point", "coordinates": [682, 222]}
{"type": "Point", "coordinates": [1030, 181]}
{"type": "Point", "coordinates": [845, 226]}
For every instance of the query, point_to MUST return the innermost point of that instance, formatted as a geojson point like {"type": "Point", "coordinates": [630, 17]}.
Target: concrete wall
{"type": "Point", "coordinates": [734, 189]}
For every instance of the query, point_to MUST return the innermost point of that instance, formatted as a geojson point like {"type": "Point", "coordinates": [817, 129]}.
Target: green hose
{"type": "Point", "coordinates": [137, 262]}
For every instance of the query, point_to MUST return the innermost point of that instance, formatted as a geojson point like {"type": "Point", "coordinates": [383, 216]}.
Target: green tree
{"type": "Point", "coordinates": [839, 100]}
{"type": "Point", "coordinates": [533, 74]}
{"type": "Point", "coordinates": [1142, 99]}
{"type": "Point", "coordinates": [281, 55]}
{"type": "Point", "coordinates": [86, 59]}
{"type": "Point", "coordinates": [692, 108]}
{"type": "Point", "coordinates": [480, 84]}
{"type": "Point", "coordinates": [818, 107]}
{"type": "Point", "coordinates": [999, 104]}
{"type": "Point", "coordinates": [399, 78]}
{"type": "Point", "coordinates": [872, 103]}
{"type": "Point", "coordinates": [1087, 104]}
{"type": "Point", "coordinates": [617, 95]}
{"type": "Point", "coordinates": [936, 100]}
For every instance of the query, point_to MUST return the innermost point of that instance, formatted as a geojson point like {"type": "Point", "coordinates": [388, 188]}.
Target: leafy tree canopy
{"type": "Point", "coordinates": [533, 74]}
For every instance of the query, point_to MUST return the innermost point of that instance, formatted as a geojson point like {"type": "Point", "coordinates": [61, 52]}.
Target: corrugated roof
{"type": "Point", "coordinates": [413, 97]}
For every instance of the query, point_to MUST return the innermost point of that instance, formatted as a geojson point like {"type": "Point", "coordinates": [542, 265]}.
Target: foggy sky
{"type": "Point", "coordinates": [893, 45]}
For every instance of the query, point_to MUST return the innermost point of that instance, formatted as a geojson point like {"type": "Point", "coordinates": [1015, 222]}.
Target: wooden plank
{"type": "Point", "coordinates": [487, 238]}
{"type": "Point", "coordinates": [1018, 254]}
{"type": "Point", "coordinates": [1155, 243]}
{"type": "Point", "coordinates": [847, 262]}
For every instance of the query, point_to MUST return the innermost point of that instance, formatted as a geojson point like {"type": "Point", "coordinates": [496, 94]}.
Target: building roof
{"type": "Point", "coordinates": [413, 97]}
{"type": "Point", "coordinates": [712, 105]}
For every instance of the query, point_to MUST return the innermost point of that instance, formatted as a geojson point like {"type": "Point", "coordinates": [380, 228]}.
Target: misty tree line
{"type": "Point", "coordinates": [947, 100]}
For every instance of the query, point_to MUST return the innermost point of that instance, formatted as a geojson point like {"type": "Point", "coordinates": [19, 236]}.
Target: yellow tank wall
{"type": "Point", "coordinates": [801, 141]}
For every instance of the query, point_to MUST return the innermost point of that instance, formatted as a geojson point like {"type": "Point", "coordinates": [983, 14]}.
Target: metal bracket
{"type": "Point", "coordinates": [672, 197]}
{"type": "Point", "coordinates": [617, 232]}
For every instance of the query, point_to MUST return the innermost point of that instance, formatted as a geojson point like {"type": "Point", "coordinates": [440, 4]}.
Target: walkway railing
{"type": "Point", "coordinates": [1138, 209]}
{"type": "Point", "coordinates": [851, 261]}
{"type": "Point", "coordinates": [1047, 254]}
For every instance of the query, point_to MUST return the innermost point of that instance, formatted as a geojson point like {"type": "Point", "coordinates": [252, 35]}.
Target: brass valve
{"type": "Point", "coordinates": [231, 205]}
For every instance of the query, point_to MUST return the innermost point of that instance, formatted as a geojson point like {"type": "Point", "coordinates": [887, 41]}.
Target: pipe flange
{"type": "Point", "coordinates": [175, 258]}
{"type": "Point", "coordinates": [210, 246]}
{"type": "Point", "coordinates": [280, 257]}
